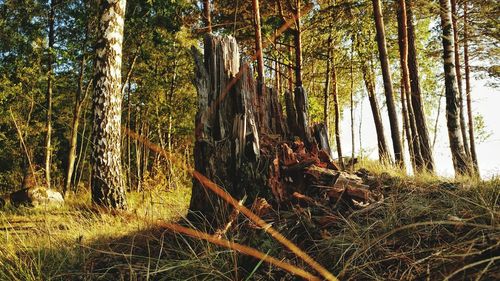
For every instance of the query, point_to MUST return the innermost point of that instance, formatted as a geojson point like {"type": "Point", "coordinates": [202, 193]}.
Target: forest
{"type": "Point", "coordinates": [227, 140]}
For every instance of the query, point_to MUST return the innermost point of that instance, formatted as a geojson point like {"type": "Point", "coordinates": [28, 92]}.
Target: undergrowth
{"type": "Point", "coordinates": [425, 228]}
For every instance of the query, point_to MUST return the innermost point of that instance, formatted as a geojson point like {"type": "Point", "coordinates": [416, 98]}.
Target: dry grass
{"type": "Point", "coordinates": [426, 228]}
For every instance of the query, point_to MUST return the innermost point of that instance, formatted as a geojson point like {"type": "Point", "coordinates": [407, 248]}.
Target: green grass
{"type": "Point", "coordinates": [425, 228]}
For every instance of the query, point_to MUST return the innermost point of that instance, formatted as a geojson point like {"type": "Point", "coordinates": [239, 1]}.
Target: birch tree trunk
{"type": "Point", "coordinates": [106, 181]}
{"type": "Point", "coordinates": [452, 110]}
{"type": "Point", "coordinates": [386, 75]}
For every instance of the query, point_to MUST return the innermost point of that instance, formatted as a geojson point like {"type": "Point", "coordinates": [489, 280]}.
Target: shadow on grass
{"type": "Point", "coordinates": [414, 234]}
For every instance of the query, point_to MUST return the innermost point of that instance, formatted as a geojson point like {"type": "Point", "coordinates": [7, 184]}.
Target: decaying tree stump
{"type": "Point", "coordinates": [243, 142]}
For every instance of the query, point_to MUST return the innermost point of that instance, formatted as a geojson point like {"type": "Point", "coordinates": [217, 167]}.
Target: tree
{"type": "Point", "coordinates": [106, 182]}
{"type": "Point", "coordinates": [368, 77]}
{"type": "Point", "coordinates": [415, 95]}
{"type": "Point", "coordinates": [386, 75]}
{"type": "Point", "coordinates": [451, 89]}
{"type": "Point", "coordinates": [336, 107]}
{"type": "Point", "coordinates": [258, 48]}
{"type": "Point", "coordinates": [468, 90]}
{"type": "Point", "coordinates": [207, 17]}
{"type": "Point", "coordinates": [48, 95]}
{"type": "Point", "coordinates": [408, 115]}
{"type": "Point", "coordinates": [463, 125]}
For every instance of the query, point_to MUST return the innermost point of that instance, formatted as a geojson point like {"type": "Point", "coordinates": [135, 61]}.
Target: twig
{"type": "Point", "coordinates": [240, 248]}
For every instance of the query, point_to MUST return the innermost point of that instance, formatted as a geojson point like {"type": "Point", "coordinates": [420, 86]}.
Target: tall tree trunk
{"type": "Point", "coordinates": [415, 95]}
{"type": "Point", "coordinates": [406, 128]}
{"type": "Point", "coordinates": [301, 101]}
{"type": "Point", "coordinates": [386, 75]}
{"type": "Point", "coordinates": [452, 111]}
{"type": "Point", "coordinates": [258, 48]}
{"type": "Point", "coordinates": [48, 95]}
{"type": "Point", "coordinates": [351, 88]}
{"type": "Point", "coordinates": [326, 93]}
{"type": "Point", "coordinates": [77, 108]}
{"type": "Point", "coordinates": [207, 17]}
{"type": "Point", "coordinates": [468, 90]}
{"type": "Point", "coordinates": [410, 127]}
{"type": "Point", "coordinates": [368, 77]}
{"type": "Point", "coordinates": [463, 125]}
{"type": "Point", "coordinates": [337, 113]}
{"type": "Point", "coordinates": [107, 183]}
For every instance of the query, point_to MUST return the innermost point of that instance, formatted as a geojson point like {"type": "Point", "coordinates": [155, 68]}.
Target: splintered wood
{"type": "Point", "coordinates": [245, 145]}
{"type": "Point", "coordinates": [302, 175]}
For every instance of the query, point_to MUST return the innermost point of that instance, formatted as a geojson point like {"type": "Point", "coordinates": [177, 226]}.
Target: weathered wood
{"type": "Point", "coordinates": [242, 142]}
{"type": "Point", "coordinates": [321, 137]}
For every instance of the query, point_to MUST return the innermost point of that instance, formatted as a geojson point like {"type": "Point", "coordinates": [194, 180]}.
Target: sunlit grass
{"type": "Point", "coordinates": [425, 227]}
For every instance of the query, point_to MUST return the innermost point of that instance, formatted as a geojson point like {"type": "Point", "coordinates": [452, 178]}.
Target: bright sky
{"type": "Point", "coordinates": [486, 101]}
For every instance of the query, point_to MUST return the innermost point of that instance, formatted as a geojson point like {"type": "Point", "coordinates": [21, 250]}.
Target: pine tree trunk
{"type": "Point", "coordinates": [337, 114]}
{"type": "Point", "coordinates": [386, 75]}
{"type": "Point", "coordinates": [351, 99]}
{"type": "Point", "coordinates": [406, 128]}
{"type": "Point", "coordinates": [452, 107]}
{"type": "Point", "coordinates": [73, 138]}
{"type": "Point", "coordinates": [77, 108]}
{"type": "Point", "coordinates": [408, 116]}
{"type": "Point", "coordinates": [368, 77]}
{"type": "Point", "coordinates": [463, 125]}
{"type": "Point", "coordinates": [107, 182]}
{"type": "Point", "coordinates": [326, 93]}
{"type": "Point", "coordinates": [468, 91]}
{"type": "Point", "coordinates": [258, 48]}
{"type": "Point", "coordinates": [300, 95]}
{"type": "Point", "coordinates": [415, 95]}
{"type": "Point", "coordinates": [48, 96]}
{"type": "Point", "coordinates": [207, 17]}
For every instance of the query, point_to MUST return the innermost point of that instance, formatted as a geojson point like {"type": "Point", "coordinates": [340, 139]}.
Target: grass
{"type": "Point", "coordinates": [425, 228]}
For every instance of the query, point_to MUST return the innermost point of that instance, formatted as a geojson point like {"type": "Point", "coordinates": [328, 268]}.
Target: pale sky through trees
{"type": "Point", "coordinates": [485, 101]}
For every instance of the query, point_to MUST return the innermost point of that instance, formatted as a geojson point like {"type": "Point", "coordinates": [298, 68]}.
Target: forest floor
{"type": "Point", "coordinates": [425, 228]}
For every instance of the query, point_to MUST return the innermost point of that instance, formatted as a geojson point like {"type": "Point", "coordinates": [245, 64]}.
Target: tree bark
{"type": "Point", "coordinates": [415, 96]}
{"type": "Point", "coordinates": [207, 17]}
{"type": "Point", "coordinates": [300, 95]}
{"type": "Point", "coordinates": [408, 116]}
{"type": "Point", "coordinates": [452, 110]}
{"type": "Point", "coordinates": [351, 88]}
{"type": "Point", "coordinates": [231, 148]}
{"type": "Point", "coordinates": [337, 114]}
{"type": "Point", "coordinates": [468, 90]}
{"type": "Point", "coordinates": [463, 125]}
{"type": "Point", "coordinates": [226, 134]}
{"type": "Point", "coordinates": [80, 96]}
{"type": "Point", "coordinates": [326, 93]}
{"type": "Point", "coordinates": [368, 77]}
{"type": "Point", "coordinates": [48, 95]}
{"type": "Point", "coordinates": [106, 181]}
{"type": "Point", "coordinates": [258, 48]}
{"type": "Point", "coordinates": [386, 75]}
